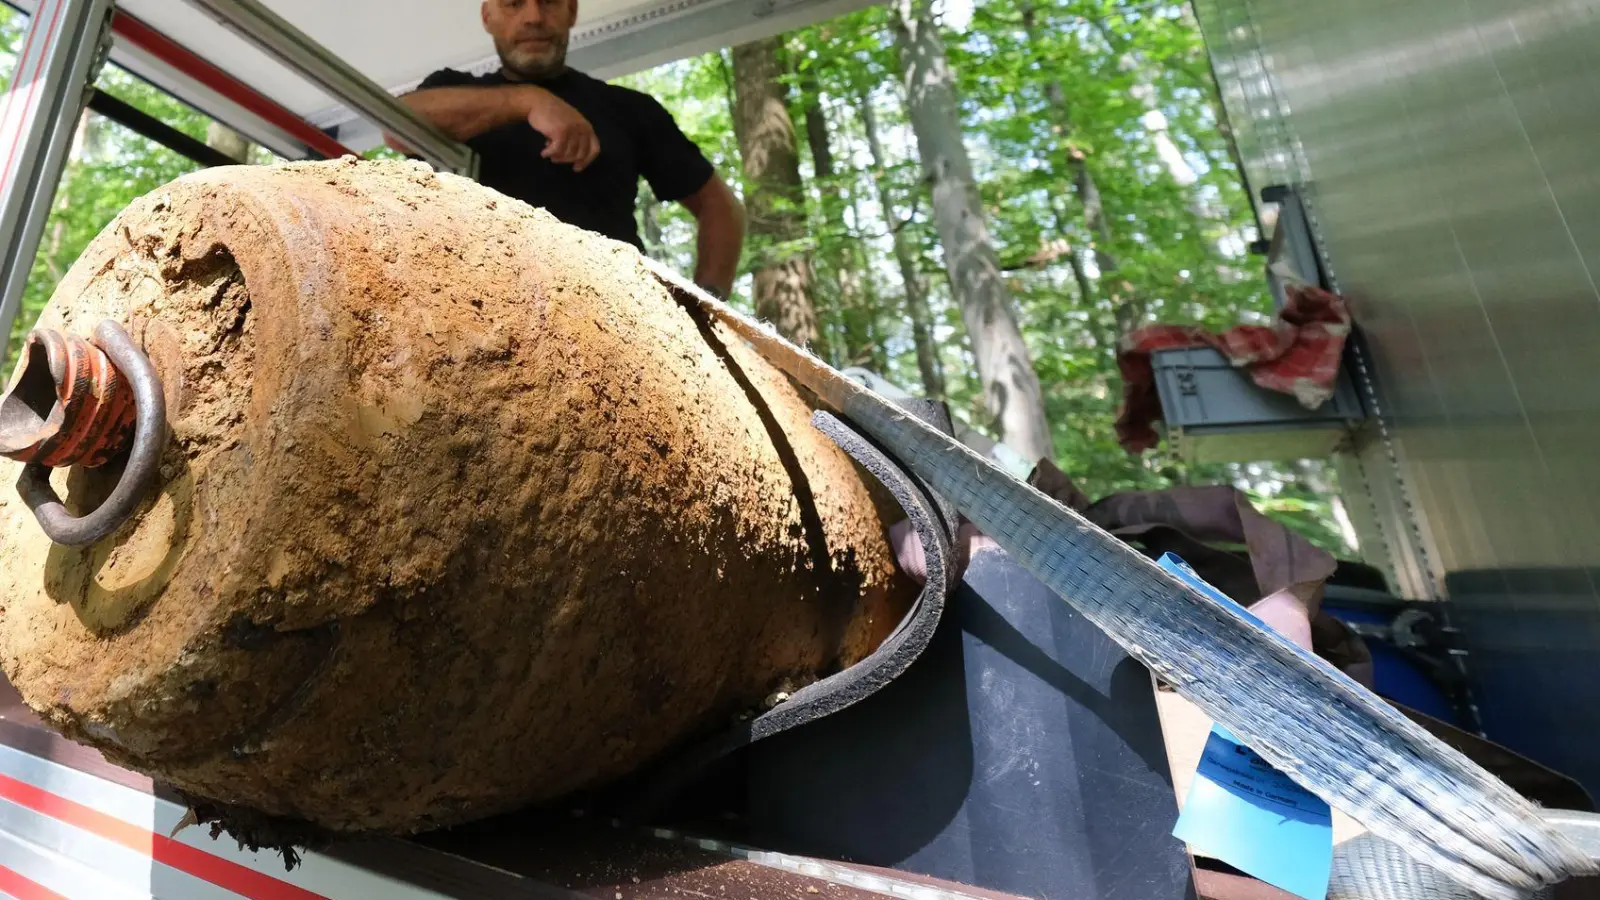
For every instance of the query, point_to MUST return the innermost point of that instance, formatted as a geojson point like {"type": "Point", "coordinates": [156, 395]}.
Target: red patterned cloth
{"type": "Point", "coordinates": [1298, 354]}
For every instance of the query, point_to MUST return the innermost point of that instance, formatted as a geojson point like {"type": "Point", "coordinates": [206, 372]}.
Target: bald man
{"type": "Point", "coordinates": [574, 145]}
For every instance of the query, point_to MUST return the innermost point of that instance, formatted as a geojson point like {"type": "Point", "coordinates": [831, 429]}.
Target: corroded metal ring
{"type": "Point", "coordinates": [149, 432]}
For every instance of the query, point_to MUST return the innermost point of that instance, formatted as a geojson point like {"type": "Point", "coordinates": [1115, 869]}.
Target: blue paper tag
{"type": "Point", "coordinates": [1249, 815]}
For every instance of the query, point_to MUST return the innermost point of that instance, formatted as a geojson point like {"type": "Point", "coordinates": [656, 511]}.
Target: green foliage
{"type": "Point", "coordinates": [1309, 513]}
{"type": "Point", "coordinates": [109, 168]}
{"type": "Point", "coordinates": [1044, 82]}
{"type": "Point", "coordinates": [1124, 87]}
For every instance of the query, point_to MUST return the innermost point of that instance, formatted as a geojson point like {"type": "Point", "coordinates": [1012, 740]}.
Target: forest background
{"type": "Point", "coordinates": [973, 200]}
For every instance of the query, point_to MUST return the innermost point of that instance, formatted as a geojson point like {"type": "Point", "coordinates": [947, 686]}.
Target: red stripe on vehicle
{"type": "Point", "coordinates": [28, 77]}
{"type": "Point", "coordinates": [223, 873]}
{"type": "Point", "coordinates": [22, 887]}
{"type": "Point", "coordinates": [193, 65]}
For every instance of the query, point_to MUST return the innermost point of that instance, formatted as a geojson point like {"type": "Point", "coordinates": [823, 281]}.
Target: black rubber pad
{"type": "Point", "coordinates": [935, 523]}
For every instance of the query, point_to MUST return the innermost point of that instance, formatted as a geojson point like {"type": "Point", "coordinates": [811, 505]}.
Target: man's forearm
{"type": "Point", "coordinates": [721, 235]}
{"type": "Point", "coordinates": [717, 253]}
{"type": "Point", "coordinates": [466, 112]}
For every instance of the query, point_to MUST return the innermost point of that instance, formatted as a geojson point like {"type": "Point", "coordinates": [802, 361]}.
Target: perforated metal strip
{"type": "Point", "coordinates": [1305, 717]}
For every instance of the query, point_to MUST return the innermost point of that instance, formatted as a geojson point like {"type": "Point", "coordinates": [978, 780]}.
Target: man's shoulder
{"type": "Point", "coordinates": [616, 93]}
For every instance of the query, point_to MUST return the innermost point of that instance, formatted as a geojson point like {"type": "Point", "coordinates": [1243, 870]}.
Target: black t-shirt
{"type": "Point", "coordinates": [637, 138]}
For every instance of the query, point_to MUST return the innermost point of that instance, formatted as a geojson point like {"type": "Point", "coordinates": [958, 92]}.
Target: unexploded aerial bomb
{"type": "Point", "coordinates": [459, 510]}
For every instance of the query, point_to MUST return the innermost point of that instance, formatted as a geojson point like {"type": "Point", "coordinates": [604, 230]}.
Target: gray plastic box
{"type": "Point", "coordinates": [1215, 413]}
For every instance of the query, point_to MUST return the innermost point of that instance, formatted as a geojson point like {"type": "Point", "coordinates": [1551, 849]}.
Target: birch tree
{"type": "Point", "coordinates": [1011, 389]}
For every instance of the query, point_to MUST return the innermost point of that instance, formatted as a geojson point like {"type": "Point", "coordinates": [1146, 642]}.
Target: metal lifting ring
{"type": "Point", "coordinates": [150, 411]}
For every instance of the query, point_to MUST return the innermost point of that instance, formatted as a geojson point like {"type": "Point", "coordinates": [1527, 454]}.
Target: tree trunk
{"type": "Point", "coordinates": [1126, 309]}
{"type": "Point", "coordinates": [857, 312]}
{"type": "Point", "coordinates": [1131, 60]}
{"type": "Point", "coordinates": [775, 201]}
{"type": "Point", "coordinates": [227, 141]}
{"type": "Point", "coordinates": [841, 257]}
{"type": "Point", "coordinates": [916, 297]}
{"type": "Point", "coordinates": [1010, 384]}
{"type": "Point", "coordinates": [871, 304]}
{"type": "Point", "coordinates": [817, 131]}
{"type": "Point", "coordinates": [1107, 334]}
{"type": "Point", "coordinates": [1083, 183]}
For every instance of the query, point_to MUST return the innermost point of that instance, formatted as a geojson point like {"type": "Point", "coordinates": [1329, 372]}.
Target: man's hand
{"type": "Point", "coordinates": [468, 111]}
{"type": "Point", "coordinates": [569, 138]}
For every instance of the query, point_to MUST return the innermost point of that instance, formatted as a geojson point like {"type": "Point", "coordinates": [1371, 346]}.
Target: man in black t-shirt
{"type": "Point", "coordinates": [575, 145]}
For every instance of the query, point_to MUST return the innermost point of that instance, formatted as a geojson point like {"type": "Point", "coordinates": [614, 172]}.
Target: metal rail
{"type": "Point", "coordinates": [66, 42]}
{"type": "Point", "coordinates": [142, 123]}
{"type": "Point", "coordinates": [277, 38]}
{"type": "Point", "coordinates": [184, 74]}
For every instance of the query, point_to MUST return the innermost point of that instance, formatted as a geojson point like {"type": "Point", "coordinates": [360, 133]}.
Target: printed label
{"type": "Point", "coordinates": [1248, 814]}
{"type": "Point", "coordinates": [1242, 771]}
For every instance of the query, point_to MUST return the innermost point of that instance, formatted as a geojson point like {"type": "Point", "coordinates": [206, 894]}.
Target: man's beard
{"type": "Point", "coordinates": [535, 66]}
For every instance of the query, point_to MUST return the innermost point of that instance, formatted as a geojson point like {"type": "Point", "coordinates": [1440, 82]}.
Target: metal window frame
{"type": "Point", "coordinates": [142, 123]}
{"type": "Point", "coordinates": [66, 43]}
{"type": "Point", "coordinates": [274, 36]}
{"type": "Point", "coordinates": [150, 54]}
